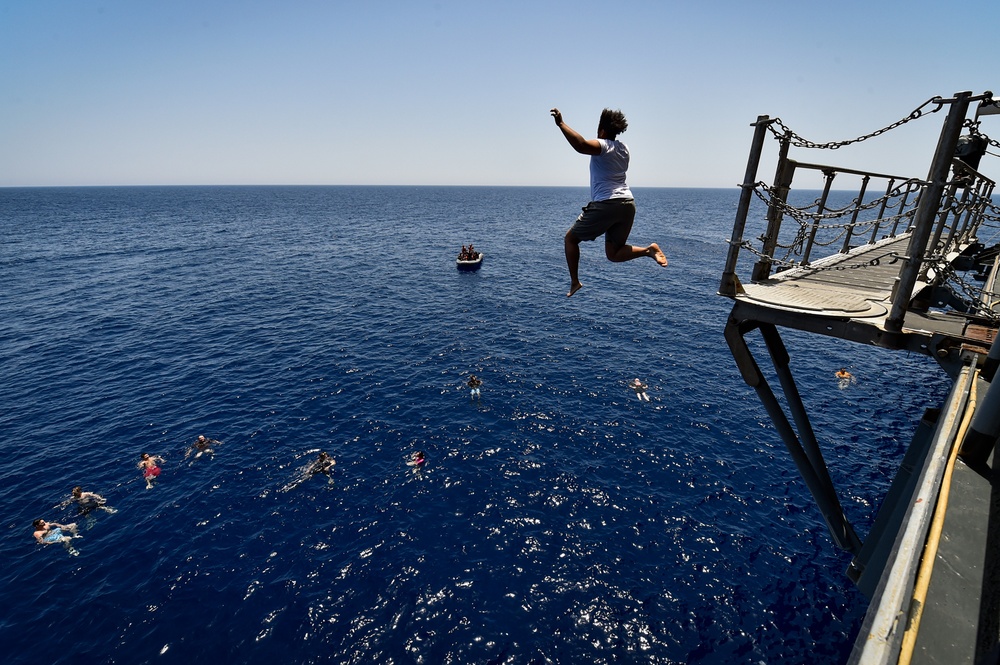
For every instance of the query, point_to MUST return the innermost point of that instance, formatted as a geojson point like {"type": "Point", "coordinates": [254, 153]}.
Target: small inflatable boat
{"type": "Point", "coordinates": [470, 264]}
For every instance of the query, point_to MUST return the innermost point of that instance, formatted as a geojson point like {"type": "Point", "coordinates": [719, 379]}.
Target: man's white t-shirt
{"type": "Point", "coordinates": [607, 172]}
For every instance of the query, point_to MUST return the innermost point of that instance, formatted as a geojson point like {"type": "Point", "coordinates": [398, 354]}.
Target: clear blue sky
{"type": "Point", "coordinates": [456, 92]}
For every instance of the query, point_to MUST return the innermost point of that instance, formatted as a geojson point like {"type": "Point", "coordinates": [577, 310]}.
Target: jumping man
{"type": "Point", "coordinates": [611, 210]}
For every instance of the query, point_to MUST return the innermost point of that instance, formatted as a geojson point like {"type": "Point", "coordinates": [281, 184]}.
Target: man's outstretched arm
{"type": "Point", "coordinates": [580, 144]}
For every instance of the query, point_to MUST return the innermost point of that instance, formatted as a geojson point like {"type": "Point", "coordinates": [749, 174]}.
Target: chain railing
{"type": "Point", "coordinates": [839, 219]}
{"type": "Point", "coordinates": [944, 211]}
{"type": "Point", "coordinates": [800, 142]}
{"type": "Point", "coordinates": [966, 297]}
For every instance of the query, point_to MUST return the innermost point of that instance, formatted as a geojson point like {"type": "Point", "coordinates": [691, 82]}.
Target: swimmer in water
{"type": "Point", "coordinates": [149, 464]}
{"type": "Point", "coordinates": [47, 533]}
{"type": "Point", "coordinates": [90, 501]}
{"type": "Point", "coordinates": [324, 464]}
{"type": "Point", "coordinates": [417, 461]}
{"type": "Point", "coordinates": [640, 389]}
{"type": "Point", "coordinates": [201, 446]}
{"type": "Point", "coordinates": [473, 385]}
{"type": "Point", "coordinates": [844, 378]}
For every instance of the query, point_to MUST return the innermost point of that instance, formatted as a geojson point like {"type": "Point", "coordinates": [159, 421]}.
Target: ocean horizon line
{"type": "Point", "coordinates": [372, 186]}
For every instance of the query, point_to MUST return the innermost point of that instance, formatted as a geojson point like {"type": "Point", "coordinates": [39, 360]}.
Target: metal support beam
{"type": "Point", "coordinates": [828, 176]}
{"type": "Point", "coordinates": [805, 453]}
{"type": "Point", "coordinates": [927, 209]}
{"type": "Point", "coordinates": [857, 210]}
{"type": "Point", "coordinates": [730, 285]}
{"type": "Point", "coordinates": [783, 175]}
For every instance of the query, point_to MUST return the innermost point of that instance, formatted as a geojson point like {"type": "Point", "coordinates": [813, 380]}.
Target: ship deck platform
{"type": "Point", "coordinates": [849, 295]}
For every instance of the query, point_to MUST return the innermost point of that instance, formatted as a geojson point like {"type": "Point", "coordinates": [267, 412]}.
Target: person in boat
{"type": "Point", "coordinates": [150, 467]}
{"type": "Point", "coordinates": [47, 533]}
{"type": "Point", "coordinates": [417, 461]}
{"type": "Point", "coordinates": [201, 445]}
{"type": "Point", "coordinates": [640, 389]}
{"type": "Point", "coordinates": [611, 210]}
{"type": "Point", "coordinates": [86, 502]}
{"type": "Point", "coordinates": [474, 383]}
{"type": "Point", "coordinates": [324, 464]}
{"type": "Point", "coordinates": [468, 254]}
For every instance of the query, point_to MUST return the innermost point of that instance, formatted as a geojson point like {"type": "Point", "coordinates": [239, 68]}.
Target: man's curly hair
{"type": "Point", "coordinates": [612, 122]}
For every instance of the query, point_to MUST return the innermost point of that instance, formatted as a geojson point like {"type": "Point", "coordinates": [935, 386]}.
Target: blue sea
{"type": "Point", "coordinates": [558, 519]}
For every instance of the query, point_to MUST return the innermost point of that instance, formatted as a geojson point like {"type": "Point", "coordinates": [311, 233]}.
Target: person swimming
{"type": "Point", "coordinates": [640, 389]}
{"type": "Point", "coordinates": [474, 384]}
{"type": "Point", "coordinates": [47, 533]}
{"type": "Point", "coordinates": [417, 461]}
{"type": "Point", "coordinates": [149, 464]}
{"type": "Point", "coordinates": [323, 464]}
{"type": "Point", "coordinates": [844, 378]}
{"type": "Point", "coordinates": [89, 501]}
{"type": "Point", "coordinates": [201, 446]}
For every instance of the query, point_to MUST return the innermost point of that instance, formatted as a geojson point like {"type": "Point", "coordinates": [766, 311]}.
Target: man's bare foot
{"type": "Point", "coordinates": [654, 251]}
{"type": "Point", "coordinates": [574, 288]}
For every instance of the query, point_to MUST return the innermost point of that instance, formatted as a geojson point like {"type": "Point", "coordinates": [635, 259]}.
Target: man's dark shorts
{"type": "Point", "coordinates": [614, 217]}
